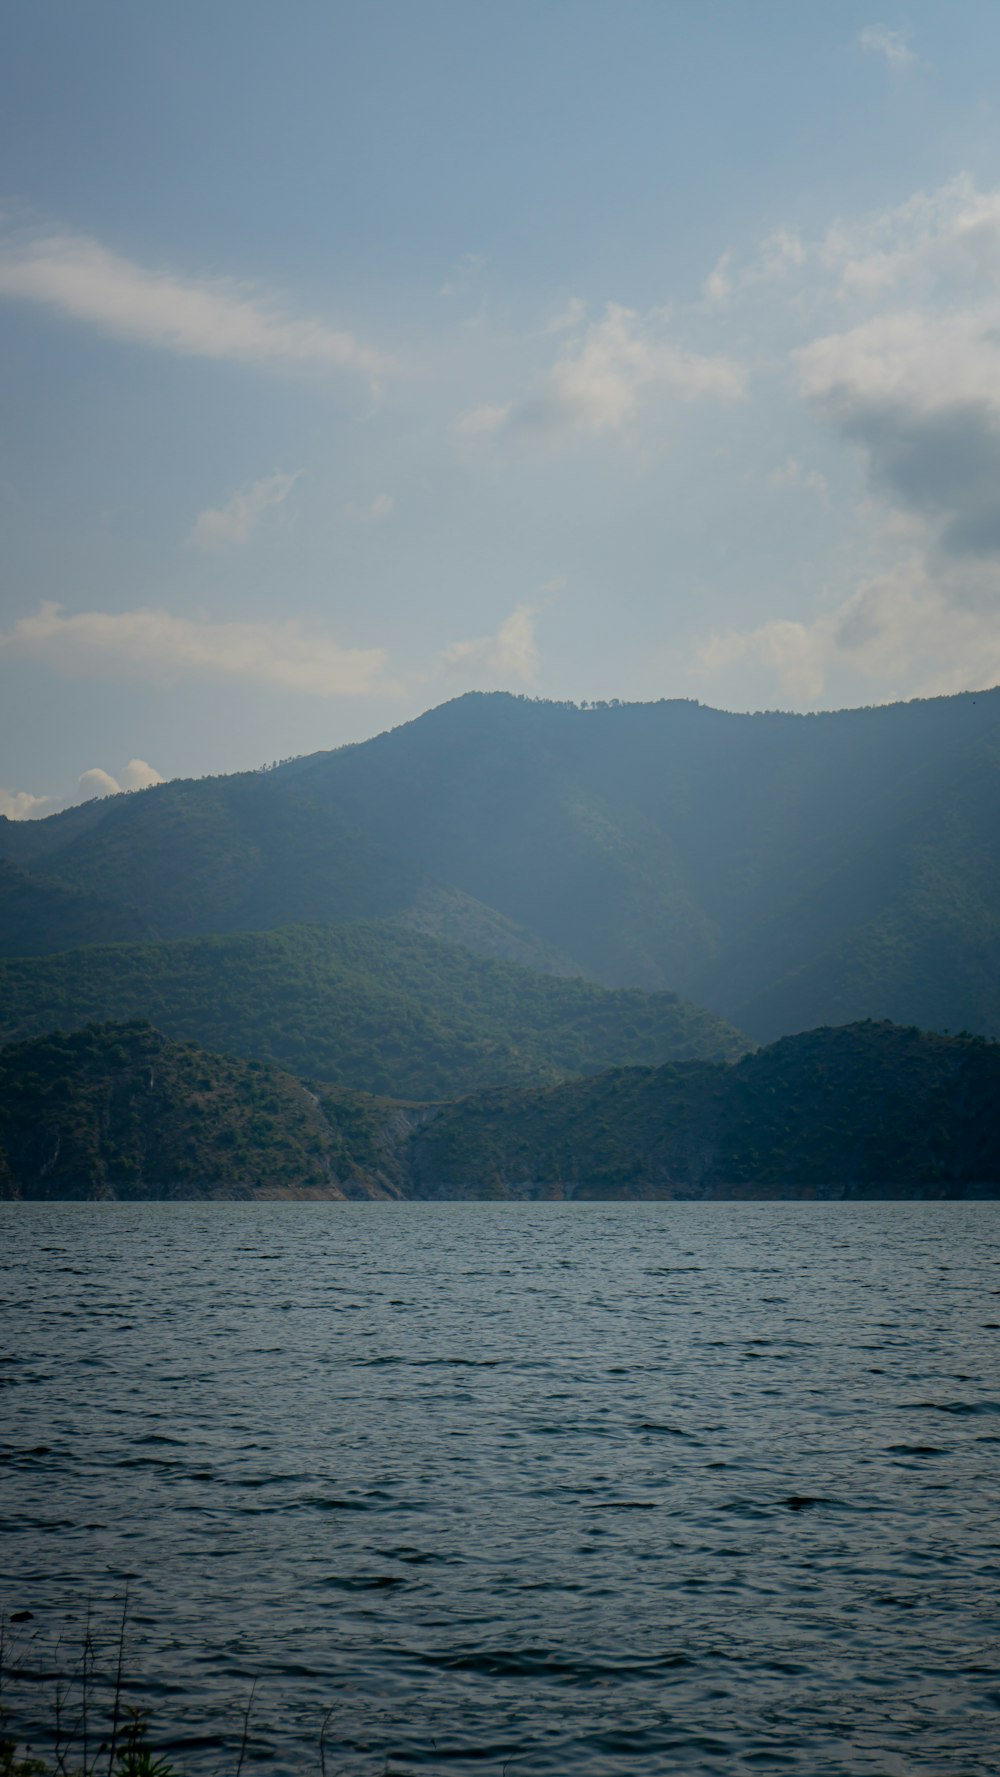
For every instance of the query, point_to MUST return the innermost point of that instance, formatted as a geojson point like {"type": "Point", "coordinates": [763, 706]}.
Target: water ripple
{"type": "Point", "coordinates": [598, 1488]}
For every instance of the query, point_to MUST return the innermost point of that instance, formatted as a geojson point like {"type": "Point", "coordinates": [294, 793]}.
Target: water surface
{"type": "Point", "coordinates": [588, 1489]}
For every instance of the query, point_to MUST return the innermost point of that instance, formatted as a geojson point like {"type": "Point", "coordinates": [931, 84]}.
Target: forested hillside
{"type": "Point", "coordinates": [868, 1110]}
{"type": "Point", "coordinates": [244, 853]}
{"type": "Point", "coordinates": [39, 913]}
{"type": "Point", "coordinates": [117, 1111]}
{"type": "Point", "coordinates": [365, 1005]}
{"type": "Point", "coordinates": [785, 871]}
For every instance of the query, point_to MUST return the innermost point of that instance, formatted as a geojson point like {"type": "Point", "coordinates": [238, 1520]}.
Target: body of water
{"type": "Point", "coordinates": [561, 1490]}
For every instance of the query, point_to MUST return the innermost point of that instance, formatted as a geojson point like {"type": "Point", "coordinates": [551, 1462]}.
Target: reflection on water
{"type": "Point", "coordinates": [657, 1488]}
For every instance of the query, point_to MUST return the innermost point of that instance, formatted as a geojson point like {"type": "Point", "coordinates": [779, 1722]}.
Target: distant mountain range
{"type": "Point", "coordinates": [119, 1111]}
{"type": "Point", "coordinates": [783, 871]}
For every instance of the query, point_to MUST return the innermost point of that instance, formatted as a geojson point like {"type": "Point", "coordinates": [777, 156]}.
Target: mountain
{"type": "Point", "coordinates": [370, 1006]}
{"type": "Point", "coordinates": [39, 914]}
{"type": "Point", "coordinates": [118, 1111]}
{"type": "Point", "coordinates": [242, 853]}
{"type": "Point", "coordinates": [784, 871]}
{"type": "Point", "coordinates": [867, 1110]}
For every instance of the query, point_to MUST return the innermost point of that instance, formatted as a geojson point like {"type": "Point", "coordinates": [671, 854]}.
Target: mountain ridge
{"type": "Point", "coordinates": [782, 870]}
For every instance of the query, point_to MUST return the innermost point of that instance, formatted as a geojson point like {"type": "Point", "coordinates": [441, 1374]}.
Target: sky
{"type": "Point", "coordinates": [355, 356]}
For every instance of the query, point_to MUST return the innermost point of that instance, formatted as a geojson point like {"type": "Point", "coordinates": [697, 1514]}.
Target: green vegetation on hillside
{"type": "Point", "coordinates": [242, 853]}
{"type": "Point", "coordinates": [925, 938]}
{"type": "Point", "coordinates": [38, 914]}
{"type": "Point", "coordinates": [866, 1109]}
{"type": "Point", "coordinates": [367, 1006]}
{"type": "Point", "coordinates": [784, 871]}
{"type": "Point", "coordinates": [118, 1111]}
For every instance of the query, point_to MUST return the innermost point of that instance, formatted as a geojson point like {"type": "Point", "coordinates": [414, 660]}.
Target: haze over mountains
{"type": "Point", "coordinates": [782, 871]}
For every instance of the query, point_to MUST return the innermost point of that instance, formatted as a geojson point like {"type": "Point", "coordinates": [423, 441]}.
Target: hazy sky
{"type": "Point", "coordinates": [356, 355]}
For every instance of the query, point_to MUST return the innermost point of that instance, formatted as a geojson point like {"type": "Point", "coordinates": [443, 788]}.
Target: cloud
{"type": "Point", "coordinates": [462, 273]}
{"type": "Point", "coordinates": [605, 376]}
{"type": "Point", "coordinates": [512, 653]}
{"type": "Point", "coordinates": [234, 522]}
{"type": "Point", "coordinates": [136, 775]}
{"type": "Point", "coordinates": [916, 382]}
{"type": "Point", "coordinates": [790, 473]}
{"type": "Point", "coordinates": [944, 242]}
{"type": "Point", "coordinates": [912, 632]}
{"type": "Point", "coordinates": [483, 421]}
{"type": "Point", "coordinates": [571, 315]}
{"type": "Point", "coordinates": [718, 286]}
{"type": "Point", "coordinates": [376, 512]}
{"type": "Point", "coordinates": [904, 367]}
{"type": "Point", "coordinates": [154, 645]}
{"type": "Point", "coordinates": [923, 358]}
{"type": "Point", "coordinates": [139, 775]}
{"type": "Point", "coordinates": [21, 805]}
{"type": "Point", "coordinates": [779, 254]}
{"type": "Point", "coordinates": [940, 465]}
{"type": "Point", "coordinates": [601, 377]}
{"type": "Point", "coordinates": [921, 394]}
{"type": "Point", "coordinates": [192, 317]}
{"type": "Point", "coordinates": [791, 651]}
{"type": "Point", "coordinates": [881, 40]}
{"type": "Point", "coordinates": [95, 782]}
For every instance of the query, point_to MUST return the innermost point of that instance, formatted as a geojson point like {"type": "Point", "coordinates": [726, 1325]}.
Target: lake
{"type": "Point", "coordinates": [545, 1488]}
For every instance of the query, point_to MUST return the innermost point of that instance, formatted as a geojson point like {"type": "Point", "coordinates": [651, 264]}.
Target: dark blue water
{"type": "Point", "coordinates": [574, 1489]}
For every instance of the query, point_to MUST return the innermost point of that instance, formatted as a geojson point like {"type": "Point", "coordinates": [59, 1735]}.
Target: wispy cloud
{"type": "Point", "coordinates": [778, 255]}
{"type": "Point", "coordinates": [718, 286]}
{"type": "Point", "coordinates": [158, 646]}
{"type": "Point", "coordinates": [234, 522]}
{"type": "Point", "coordinates": [570, 315]}
{"type": "Point", "coordinates": [892, 46]}
{"type": "Point", "coordinates": [462, 274]}
{"type": "Point", "coordinates": [206, 317]}
{"type": "Point", "coordinates": [913, 632]}
{"type": "Point", "coordinates": [907, 371]}
{"type": "Point", "coordinates": [944, 241]}
{"type": "Point", "coordinates": [376, 511]}
{"type": "Point", "coordinates": [791, 473]}
{"type": "Point", "coordinates": [939, 243]}
{"type": "Point", "coordinates": [484, 421]}
{"type": "Point", "coordinates": [511, 653]}
{"type": "Point", "coordinates": [606, 376]}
